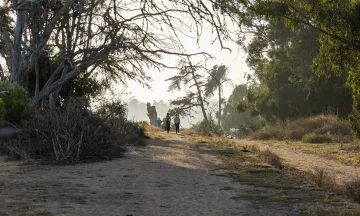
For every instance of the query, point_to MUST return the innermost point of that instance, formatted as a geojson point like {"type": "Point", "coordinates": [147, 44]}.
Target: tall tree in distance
{"type": "Point", "coordinates": [189, 76]}
{"type": "Point", "coordinates": [281, 59]}
{"type": "Point", "coordinates": [338, 26]}
{"type": "Point", "coordinates": [217, 77]}
{"type": "Point", "coordinates": [240, 124]}
{"type": "Point", "coordinates": [5, 35]}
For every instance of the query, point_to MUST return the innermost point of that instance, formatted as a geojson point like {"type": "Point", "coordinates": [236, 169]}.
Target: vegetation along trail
{"type": "Point", "coordinates": [170, 176]}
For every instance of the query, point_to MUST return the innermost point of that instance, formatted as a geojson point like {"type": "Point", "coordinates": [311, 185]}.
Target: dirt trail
{"type": "Point", "coordinates": [306, 162]}
{"type": "Point", "coordinates": [168, 177]}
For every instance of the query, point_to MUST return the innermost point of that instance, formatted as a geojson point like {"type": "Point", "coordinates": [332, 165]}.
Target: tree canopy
{"type": "Point", "coordinates": [281, 58]}
{"type": "Point", "coordinates": [110, 41]}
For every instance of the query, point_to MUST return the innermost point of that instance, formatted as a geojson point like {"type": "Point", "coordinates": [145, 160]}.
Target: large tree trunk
{"type": "Point", "coordinates": [199, 95]}
{"type": "Point", "coordinates": [16, 48]}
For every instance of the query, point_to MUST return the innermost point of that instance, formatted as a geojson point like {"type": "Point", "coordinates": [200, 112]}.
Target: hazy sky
{"type": "Point", "coordinates": [234, 60]}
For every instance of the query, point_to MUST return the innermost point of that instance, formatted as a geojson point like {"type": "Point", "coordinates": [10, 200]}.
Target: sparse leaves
{"type": "Point", "coordinates": [113, 40]}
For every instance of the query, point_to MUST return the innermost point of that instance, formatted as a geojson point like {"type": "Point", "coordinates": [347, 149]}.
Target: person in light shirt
{"type": "Point", "coordinates": [177, 123]}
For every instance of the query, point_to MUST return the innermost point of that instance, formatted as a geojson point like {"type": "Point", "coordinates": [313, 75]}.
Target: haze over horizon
{"type": "Point", "coordinates": [234, 60]}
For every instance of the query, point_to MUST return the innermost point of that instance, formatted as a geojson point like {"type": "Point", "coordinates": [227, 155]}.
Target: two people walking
{"type": "Point", "coordinates": [167, 122]}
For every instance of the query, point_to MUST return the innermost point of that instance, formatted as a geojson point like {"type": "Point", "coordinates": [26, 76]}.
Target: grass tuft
{"type": "Point", "coordinates": [321, 178]}
{"type": "Point", "coordinates": [271, 158]}
{"type": "Point", "coordinates": [352, 190]}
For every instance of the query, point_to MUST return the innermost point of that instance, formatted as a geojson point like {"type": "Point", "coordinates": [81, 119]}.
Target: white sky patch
{"type": "Point", "coordinates": [234, 60]}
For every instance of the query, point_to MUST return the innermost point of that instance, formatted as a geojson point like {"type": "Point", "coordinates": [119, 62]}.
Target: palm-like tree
{"type": "Point", "coordinates": [218, 76]}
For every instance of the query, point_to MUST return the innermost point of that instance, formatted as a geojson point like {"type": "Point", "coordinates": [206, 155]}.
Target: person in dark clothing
{"type": "Point", "coordinates": [168, 119]}
{"type": "Point", "coordinates": [177, 123]}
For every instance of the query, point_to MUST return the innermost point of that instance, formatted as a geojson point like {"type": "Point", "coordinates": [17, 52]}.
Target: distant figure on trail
{"type": "Point", "coordinates": [168, 119]}
{"type": "Point", "coordinates": [164, 124]}
{"type": "Point", "coordinates": [177, 123]}
{"type": "Point", "coordinates": [158, 122]}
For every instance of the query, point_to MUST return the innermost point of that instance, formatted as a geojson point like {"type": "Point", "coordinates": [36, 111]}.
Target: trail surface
{"type": "Point", "coordinates": [169, 177]}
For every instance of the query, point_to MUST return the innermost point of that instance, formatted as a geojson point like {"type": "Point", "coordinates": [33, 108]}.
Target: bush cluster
{"type": "Point", "coordinates": [13, 103]}
{"type": "Point", "coordinates": [73, 133]}
{"type": "Point", "coordinates": [315, 129]}
{"type": "Point", "coordinates": [208, 128]}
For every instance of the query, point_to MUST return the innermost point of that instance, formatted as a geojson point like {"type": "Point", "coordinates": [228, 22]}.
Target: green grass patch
{"type": "Point", "coordinates": [266, 198]}
{"type": "Point", "coordinates": [251, 170]}
{"type": "Point", "coordinates": [317, 138]}
{"type": "Point", "coordinates": [32, 211]}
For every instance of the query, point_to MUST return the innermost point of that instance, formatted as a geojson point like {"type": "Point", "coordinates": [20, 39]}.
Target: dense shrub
{"type": "Point", "coordinates": [13, 103]}
{"type": "Point", "coordinates": [321, 128]}
{"type": "Point", "coordinates": [267, 134]}
{"type": "Point", "coordinates": [73, 133]}
{"type": "Point", "coordinates": [211, 127]}
{"type": "Point", "coordinates": [317, 138]}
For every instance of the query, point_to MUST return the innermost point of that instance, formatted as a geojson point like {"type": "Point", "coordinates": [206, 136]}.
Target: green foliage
{"type": "Point", "coordinates": [141, 130]}
{"type": "Point", "coordinates": [289, 87]}
{"type": "Point", "coordinates": [239, 123]}
{"type": "Point", "coordinates": [5, 32]}
{"type": "Point", "coordinates": [217, 76]}
{"type": "Point", "coordinates": [317, 138]}
{"type": "Point", "coordinates": [13, 103]}
{"type": "Point", "coordinates": [143, 123]}
{"type": "Point", "coordinates": [336, 52]}
{"type": "Point", "coordinates": [210, 127]}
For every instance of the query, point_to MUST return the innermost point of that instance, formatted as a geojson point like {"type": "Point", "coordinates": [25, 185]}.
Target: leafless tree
{"type": "Point", "coordinates": [113, 40]}
{"type": "Point", "coordinates": [190, 76]}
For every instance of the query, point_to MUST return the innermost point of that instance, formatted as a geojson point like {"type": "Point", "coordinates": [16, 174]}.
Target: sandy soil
{"type": "Point", "coordinates": [168, 177]}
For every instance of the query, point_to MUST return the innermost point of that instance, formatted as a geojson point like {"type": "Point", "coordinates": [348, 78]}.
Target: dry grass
{"type": "Point", "coordinates": [191, 132]}
{"type": "Point", "coordinates": [254, 148]}
{"type": "Point", "coordinates": [271, 158]}
{"type": "Point", "coordinates": [260, 154]}
{"type": "Point", "coordinates": [348, 153]}
{"type": "Point", "coordinates": [321, 178]}
{"type": "Point", "coordinates": [221, 143]}
{"type": "Point", "coordinates": [324, 128]}
{"type": "Point", "coordinates": [154, 132]}
{"type": "Point", "coordinates": [352, 189]}
{"type": "Point", "coordinates": [199, 137]}
{"type": "Point", "coordinates": [317, 163]}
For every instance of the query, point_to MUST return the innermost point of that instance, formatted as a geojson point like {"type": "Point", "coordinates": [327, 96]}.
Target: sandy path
{"type": "Point", "coordinates": [167, 178]}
